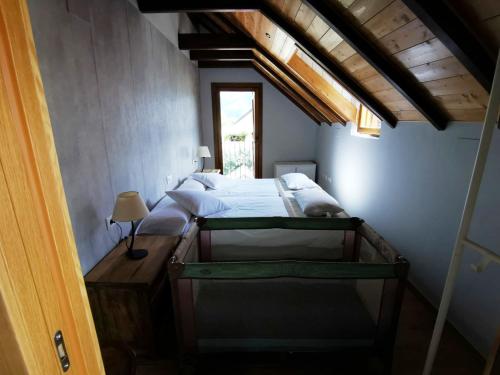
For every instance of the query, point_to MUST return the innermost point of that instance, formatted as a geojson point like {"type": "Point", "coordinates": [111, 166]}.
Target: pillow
{"type": "Point", "coordinates": [167, 218]}
{"type": "Point", "coordinates": [317, 202]}
{"type": "Point", "coordinates": [298, 181]}
{"type": "Point", "coordinates": [190, 184]}
{"type": "Point", "coordinates": [199, 203]}
{"type": "Point", "coordinates": [212, 180]}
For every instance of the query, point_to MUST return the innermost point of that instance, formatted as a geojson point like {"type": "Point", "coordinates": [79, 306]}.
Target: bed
{"type": "Point", "coordinates": [261, 276]}
{"type": "Point", "coordinates": [268, 198]}
{"type": "Point", "coordinates": [252, 198]}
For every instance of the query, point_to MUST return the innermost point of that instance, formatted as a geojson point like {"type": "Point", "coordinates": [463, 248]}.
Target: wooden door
{"type": "Point", "coordinates": [41, 284]}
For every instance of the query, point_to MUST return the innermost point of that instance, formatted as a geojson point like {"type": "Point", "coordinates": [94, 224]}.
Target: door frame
{"type": "Point", "coordinates": [256, 87]}
{"type": "Point", "coordinates": [42, 289]}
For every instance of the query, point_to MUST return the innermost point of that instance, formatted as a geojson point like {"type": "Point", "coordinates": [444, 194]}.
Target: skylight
{"type": "Point", "coordinates": [364, 121]}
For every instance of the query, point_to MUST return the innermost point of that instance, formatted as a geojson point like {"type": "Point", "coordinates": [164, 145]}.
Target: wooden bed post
{"type": "Point", "coordinates": [352, 244]}
{"type": "Point", "coordinates": [390, 308]}
{"type": "Point", "coordinates": [205, 245]}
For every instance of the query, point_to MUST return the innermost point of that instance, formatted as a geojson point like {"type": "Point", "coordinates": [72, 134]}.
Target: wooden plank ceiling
{"type": "Point", "coordinates": [399, 33]}
{"type": "Point", "coordinates": [390, 26]}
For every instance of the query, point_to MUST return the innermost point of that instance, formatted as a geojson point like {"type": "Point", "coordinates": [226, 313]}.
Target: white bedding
{"type": "Point", "coordinates": [252, 206]}
{"type": "Point", "coordinates": [265, 187]}
{"type": "Point", "coordinates": [270, 244]}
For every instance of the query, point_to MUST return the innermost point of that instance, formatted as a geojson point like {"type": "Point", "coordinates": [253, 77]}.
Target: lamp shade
{"type": "Point", "coordinates": [129, 206]}
{"type": "Point", "coordinates": [204, 152]}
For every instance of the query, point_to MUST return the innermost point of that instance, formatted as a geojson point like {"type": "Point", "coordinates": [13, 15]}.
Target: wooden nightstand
{"type": "Point", "coordinates": [130, 299]}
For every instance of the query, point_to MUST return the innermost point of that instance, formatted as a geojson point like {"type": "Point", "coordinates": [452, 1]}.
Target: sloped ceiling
{"type": "Point", "coordinates": [429, 72]}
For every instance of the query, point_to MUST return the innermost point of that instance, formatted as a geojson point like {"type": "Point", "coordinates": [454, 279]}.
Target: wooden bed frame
{"type": "Point", "coordinates": [192, 261]}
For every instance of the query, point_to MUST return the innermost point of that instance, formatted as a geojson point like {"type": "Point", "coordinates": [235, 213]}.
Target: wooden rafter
{"type": "Point", "coordinates": [321, 57]}
{"type": "Point", "coordinates": [329, 114]}
{"type": "Point", "coordinates": [224, 64]}
{"type": "Point", "coordinates": [215, 42]}
{"type": "Point", "coordinates": [280, 84]}
{"type": "Point", "coordinates": [341, 105]}
{"type": "Point", "coordinates": [278, 70]}
{"type": "Point", "coordinates": [276, 66]}
{"type": "Point", "coordinates": [400, 78]}
{"type": "Point", "coordinates": [457, 37]}
{"type": "Point", "coordinates": [282, 87]}
{"type": "Point", "coordinates": [222, 55]}
{"type": "Point", "coordinates": [196, 6]}
{"type": "Point", "coordinates": [199, 21]}
{"type": "Point", "coordinates": [272, 64]}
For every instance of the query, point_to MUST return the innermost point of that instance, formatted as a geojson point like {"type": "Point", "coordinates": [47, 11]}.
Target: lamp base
{"type": "Point", "coordinates": [137, 253]}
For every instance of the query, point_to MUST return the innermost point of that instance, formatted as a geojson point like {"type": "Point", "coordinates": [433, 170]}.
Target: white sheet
{"type": "Point", "coordinates": [252, 206]}
{"type": "Point", "coordinates": [265, 187]}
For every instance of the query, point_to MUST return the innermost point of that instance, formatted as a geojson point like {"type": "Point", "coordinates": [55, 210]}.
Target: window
{"type": "Point", "coordinates": [237, 116]}
{"type": "Point", "coordinates": [367, 123]}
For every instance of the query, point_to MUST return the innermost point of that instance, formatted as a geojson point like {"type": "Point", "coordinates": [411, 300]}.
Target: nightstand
{"type": "Point", "coordinates": [130, 299]}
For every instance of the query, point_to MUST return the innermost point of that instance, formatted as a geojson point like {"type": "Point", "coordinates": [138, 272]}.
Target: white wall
{"type": "Point", "coordinates": [288, 134]}
{"type": "Point", "coordinates": [410, 185]}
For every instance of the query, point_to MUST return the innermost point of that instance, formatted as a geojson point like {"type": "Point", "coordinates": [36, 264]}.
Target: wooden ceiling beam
{"type": "Point", "coordinates": [209, 64]}
{"type": "Point", "coordinates": [215, 42]}
{"type": "Point", "coordinates": [288, 92]}
{"type": "Point", "coordinates": [199, 21]}
{"type": "Point", "coordinates": [220, 22]}
{"type": "Point", "coordinates": [310, 97]}
{"type": "Point", "coordinates": [400, 78]}
{"type": "Point", "coordinates": [195, 6]}
{"type": "Point", "coordinates": [331, 66]}
{"type": "Point", "coordinates": [239, 38]}
{"type": "Point", "coordinates": [222, 55]}
{"type": "Point", "coordinates": [448, 27]}
{"type": "Point", "coordinates": [274, 64]}
{"type": "Point", "coordinates": [320, 56]}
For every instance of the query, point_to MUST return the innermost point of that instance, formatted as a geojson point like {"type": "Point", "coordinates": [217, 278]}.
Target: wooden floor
{"type": "Point", "coordinates": [455, 357]}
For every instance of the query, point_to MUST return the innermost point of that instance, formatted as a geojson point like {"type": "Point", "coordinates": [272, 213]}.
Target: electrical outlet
{"type": "Point", "coordinates": [170, 179]}
{"type": "Point", "coordinates": [109, 222]}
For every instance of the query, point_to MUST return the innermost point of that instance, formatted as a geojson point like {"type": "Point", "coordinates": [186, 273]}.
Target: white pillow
{"type": "Point", "coordinates": [190, 184]}
{"type": "Point", "coordinates": [317, 202]}
{"type": "Point", "coordinates": [167, 218]}
{"type": "Point", "coordinates": [298, 181]}
{"type": "Point", "coordinates": [212, 180]}
{"type": "Point", "coordinates": [199, 203]}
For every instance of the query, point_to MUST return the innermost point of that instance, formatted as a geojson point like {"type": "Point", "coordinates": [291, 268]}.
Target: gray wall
{"type": "Point", "coordinates": [288, 134]}
{"type": "Point", "coordinates": [124, 106]}
{"type": "Point", "coordinates": [411, 185]}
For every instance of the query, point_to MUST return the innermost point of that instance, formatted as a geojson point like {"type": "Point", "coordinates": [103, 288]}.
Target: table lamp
{"type": "Point", "coordinates": [203, 152]}
{"type": "Point", "coordinates": [129, 206]}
